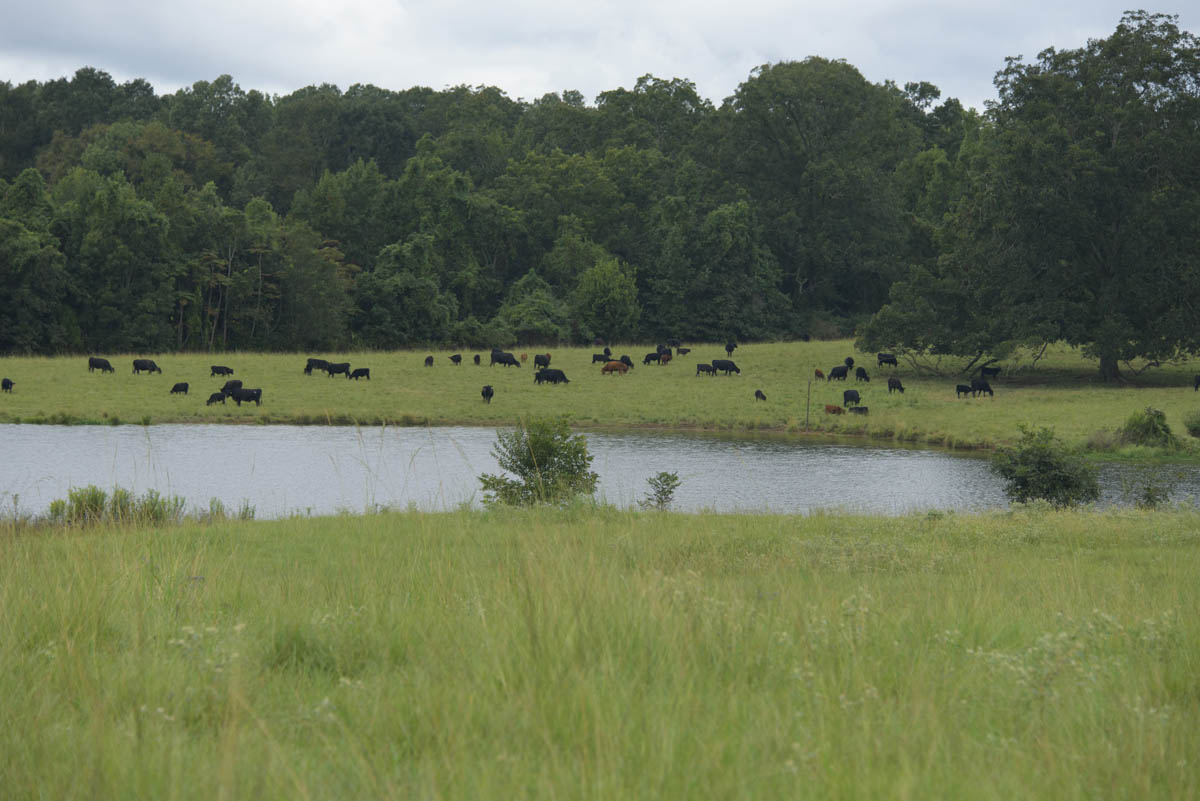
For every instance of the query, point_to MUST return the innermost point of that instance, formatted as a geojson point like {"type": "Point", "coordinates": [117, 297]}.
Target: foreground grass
{"type": "Point", "coordinates": [605, 654]}
{"type": "Point", "coordinates": [1061, 391]}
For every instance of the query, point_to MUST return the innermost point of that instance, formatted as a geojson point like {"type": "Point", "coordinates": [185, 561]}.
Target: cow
{"type": "Point", "coordinates": [146, 365]}
{"type": "Point", "coordinates": [607, 351]}
{"type": "Point", "coordinates": [652, 357]}
{"type": "Point", "coordinates": [96, 363]}
{"type": "Point", "coordinates": [338, 369]}
{"type": "Point", "coordinates": [895, 385]}
{"type": "Point", "coordinates": [673, 343]}
{"type": "Point", "coordinates": [487, 393]}
{"type": "Point", "coordinates": [541, 360]}
{"type": "Point", "coordinates": [850, 397]}
{"type": "Point", "coordinates": [730, 347]}
{"type": "Point", "coordinates": [705, 368]}
{"type": "Point", "coordinates": [428, 362]}
{"type": "Point", "coordinates": [682, 351]}
{"type": "Point", "coordinates": [551, 375]}
{"type": "Point", "coordinates": [456, 359]}
{"type": "Point", "coordinates": [315, 364]}
{"type": "Point", "coordinates": [886, 358]}
{"type": "Point", "coordinates": [979, 386]}
{"type": "Point", "coordinates": [962, 390]}
{"type": "Point", "coordinates": [860, 374]}
{"type": "Point", "coordinates": [859, 410]}
{"type": "Point", "coordinates": [625, 360]}
{"type": "Point", "coordinates": [619, 368]}
{"type": "Point", "coordinates": [819, 374]}
{"type": "Point", "coordinates": [218, 369]}
{"type": "Point", "coordinates": [662, 349]}
{"type": "Point", "coordinates": [759, 396]}
{"type": "Point", "coordinates": [727, 366]}
{"type": "Point", "coordinates": [665, 358]}
{"type": "Point", "coordinates": [6, 384]}
{"type": "Point", "coordinates": [216, 397]}
{"type": "Point", "coordinates": [360, 372]}
{"type": "Point", "coordinates": [247, 395]}
{"type": "Point", "coordinates": [477, 360]}
{"type": "Point", "coordinates": [849, 361]}
{"type": "Point", "coordinates": [524, 358]}
{"type": "Point", "coordinates": [503, 358]}
{"type": "Point", "coordinates": [179, 389]}
{"type": "Point", "coordinates": [989, 372]}
{"type": "Point", "coordinates": [603, 358]}
{"type": "Point", "coordinates": [1196, 383]}
{"type": "Point", "coordinates": [230, 386]}
{"type": "Point", "coordinates": [838, 373]}
{"type": "Point", "coordinates": [831, 409]}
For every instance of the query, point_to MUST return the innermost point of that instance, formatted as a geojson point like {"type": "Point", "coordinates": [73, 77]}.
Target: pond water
{"type": "Point", "coordinates": [318, 470]}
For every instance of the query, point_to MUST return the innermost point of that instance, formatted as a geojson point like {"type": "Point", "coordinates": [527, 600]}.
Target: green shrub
{"type": "Point", "coordinates": [662, 491]}
{"type": "Point", "coordinates": [551, 465]}
{"type": "Point", "coordinates": [1040, 467]}
{"type": "Point", "coordinates": [1191, 421]}
{"type": "Point", "coordinates": [1147, 427]}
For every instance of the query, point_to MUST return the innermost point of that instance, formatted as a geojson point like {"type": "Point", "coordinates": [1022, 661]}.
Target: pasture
{"type": "Point", "coordinates": [594, 653]}
{"type": "Point", "coordinates": [1062, 391]}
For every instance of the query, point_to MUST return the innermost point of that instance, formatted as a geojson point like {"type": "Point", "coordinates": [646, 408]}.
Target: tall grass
{"type": "Point", "coordinates": [596, 653]}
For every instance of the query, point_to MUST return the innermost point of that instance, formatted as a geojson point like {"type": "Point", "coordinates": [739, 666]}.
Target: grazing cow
{"type": "Point", "coordinates": [652, 357]}
{"type": "Point", "coordinates": [315, 364]}
{"type": "Point", "coordinates": [819, 374]}
{"type": "Point", "coordinates": [6, 384]}
{"type": "Point", "coordinates": [145, 364]}
{"type": "Point", "coordinates": [429, 361]}
{"type": "Point", "coordinates": [887, 358]}
{"type": "Point", "coordinates": [360, 372]}
{"type": "Point", "coordinates": [504, 358]}
{"type": "Point", "coordinates": [625, 360]}
{"type": "Point", "coordinates": [603, 358]}
{"type": "Point", "coordinates": [961, 390]}
{"type": "Point", "coordinates": [860, 374]}
{"type": "Point", "coordinates": [477, 360]}
{"type": "Point", "coordinates": [979, 386]}
{"type": "Point", "coordinates": [989, 372]}
{"type": "Point", "coordinates": [1196, 383]}
{"type": "Point", "coordinates": [759, 396]}
{"type": "Point", "coordinates": [725, 365]}
{"type": "Point", "coordinates": [859, 410]}
{"type": "Point", "coordinates": [456, 359]}
{"type": "Point", "coordinates": [705, 368]}
{"type": "Point", "coordinates": [673, 343]}
{"type": "Point", "coordinates": [96, 363]}
{"type": "Point", "coordinates": [838, 373]}
{"type": "Point", "coordinates": [218, 369]}
{"type": "Point", "coordinates": [831, 409]}
{"type": "Point", "coordinates": [730, 347]}
{"type": "Point", "coordinates": [216, 397]}
{"type": "Point", "coordinates": [894, 384]}
{"type": "Point", "coordinates": [851, 397]}
{"type": "Point", "coordinates": [179, 389]}
{"type": "Point", "coordinates": [619, 368]}
{"type": "Point", "coordinates": [338, 369]}
{"type": "Point", "coordinates": [541, 360]}
{"type": "Point", "coordinates": [230, 386]}
{"type": "Point", "coordinates": [487, 393]}
{"type": "Point", "coordinates": [849, 362]}
{"type": "Point", "coordinates": [551, 375]}
{"type": "Point", "coordinates": [665, 358]}
{"type": "Point", "coordinates": [682, 351]}
{"type": "Point", "coordinates": [247, 395]}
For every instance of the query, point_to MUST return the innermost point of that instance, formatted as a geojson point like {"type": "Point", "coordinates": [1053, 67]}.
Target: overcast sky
{"type": "Point", "coordinates": [530, 47]}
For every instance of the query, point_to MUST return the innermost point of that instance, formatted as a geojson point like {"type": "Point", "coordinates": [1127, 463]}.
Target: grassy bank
{"type": "Point", "coordinates": [1061, 391]}
{"type": "Point", "coordinates": [605, 654]}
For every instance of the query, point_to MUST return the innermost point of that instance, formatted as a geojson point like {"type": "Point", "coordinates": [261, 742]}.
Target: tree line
{"type": "Point", "coordinates": [810, 202]}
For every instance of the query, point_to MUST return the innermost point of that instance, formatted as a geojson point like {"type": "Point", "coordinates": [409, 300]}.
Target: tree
{"type": "Point", "coordinates": [604, 302]}
{"type": "Point", "coordinates": [551, 465]}
{"type": "Point", "coordinates": [533, 313]}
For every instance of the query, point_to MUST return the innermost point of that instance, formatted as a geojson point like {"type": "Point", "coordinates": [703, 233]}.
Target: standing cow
{"type": "Point", "coordinates": [179, 389]}
{"type": "Point", "coordinates": [145, 365]}
{"type": "Point", "coordinates": [7, 385]}
{"type": "Point", "coordinates": [895, 385]}
{"type": "Point", "coordinates": [759, 396]}
{"type": "Point", "coordinates": [487, 393]}
{"type": "Point", "coordinates": [886, 358]}
{"type": "Point", "coordinates": [96, 363]}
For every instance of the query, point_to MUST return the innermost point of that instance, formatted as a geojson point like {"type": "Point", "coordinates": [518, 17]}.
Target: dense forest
{"type": "Point", "coordinates": [810, 202]}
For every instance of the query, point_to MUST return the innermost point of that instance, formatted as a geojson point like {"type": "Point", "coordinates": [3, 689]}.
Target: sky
{"type": "Point", "coordinates": [530, 47]}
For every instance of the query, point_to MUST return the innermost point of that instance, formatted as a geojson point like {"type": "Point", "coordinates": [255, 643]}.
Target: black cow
{"type": "Point", "coordinates": [705, 368]}
{"type": "Point", "coordinates": [851, 398]}
{"type": "Point", "coordinates": [849, 362]}
{"type": "Point", "coordinates": [96, 363]}
{"type": "Point", "coordinates": [145, 364]}
{"type": "Point", "coordinates": [247, 395]}
{"type": "Point", "coordinates": [887, 358]}
{"type": "Point", "coordinates": [759, 396]}
{"type": "Point", "coordinates": [6, 384]}
{"type": "Point", "coordinates": [961, 390]}
{"type": "Point", "coordinates": [989, 372]}
{"type": "Point", "coordinates": [429, 361]}
{"type": "Point", "coordinates": [838, 373]}
{"type": "Point", "coordinates": [894, 385]}
{"type": "Point", "coordinates": [541, 360]}
{"type": "Point", "coordinates": [550, 375]}
{"type": "Point", "coordinates": [652, 357]}
{"type": "Point", "coordinates": [506, 359]}
{"type": "Point", "coordinates": [476, 359]}
{"type": "Point", "coordinates": [608, 351]}
{"type": "Point", "coordinates": [487, 393]}
{"type": "Point", "coordinates": [603, 358]}
{"type": "Point", "coordinates": [682, 351]}
{"type": "Point", "coordinates": [315, 364]}
{"type": "Point", "coordinates": [360, 372]}
{"type": "Point", "coordinates": [730, 347]}
{"type": "Point", "coordinates": [456, 359]}
{"type": "Point", "coordinates": [858, 410]}
{"type": "Point", "coordinates": [179, 389]}
{"type": "Point", "coordinates": [230, 386]}
{"type": "Point", "coordinates": [725, 365]}
{"type": "Point", "coordinates": [219, 370]}
{"type": "Point", "coordinates": [979, 386]}
{"type": "Point", "coordinates": [860, 374]}
{"type": "Point", "coordinates": [662, 349]}
{"type": "Point", "coordinates": [625, 360]}
{"type": "Point", "coordinates": [216, 397]}
{"type": "Point", "coordinates": [341, 368]}
{"type": "Point", "coordinates": [673, 343]}
{"type": "Point", "coordinates": [1196, 383]}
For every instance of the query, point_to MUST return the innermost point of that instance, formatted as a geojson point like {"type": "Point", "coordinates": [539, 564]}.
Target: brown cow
{"type": "Point", "coordinates": [665, 358]}
{"type": "Point", "coordinates": [614, 367]}
{"type": "Point", "coordinates": [819, 374]}
{"type": "Point", "coordinates": [834, 409]}
{"type": "Point", "coordinates": [524, 358]}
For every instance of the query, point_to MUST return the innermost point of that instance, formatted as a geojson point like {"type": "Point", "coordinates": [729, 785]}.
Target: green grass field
{"type": "Point", "coordinates": [592, 653]}
{"type": "Point", "coordinates": [1061, 391]}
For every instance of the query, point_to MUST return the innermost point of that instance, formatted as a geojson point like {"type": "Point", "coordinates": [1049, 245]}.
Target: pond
{"type": "Point", "coordinates": [317, 470]}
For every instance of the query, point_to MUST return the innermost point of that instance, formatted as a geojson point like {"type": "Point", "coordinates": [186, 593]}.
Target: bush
{"type": "Point", "coordinates": [662, 491]}
{"type": "Point", "coordinates": [1040, 467]}
{"type": "Point", "coordinates": [551, 465]}
{"type": "Point", "coordinates": [1191, 421]}
{"type": "Point", "coordinates": [1147, 427]}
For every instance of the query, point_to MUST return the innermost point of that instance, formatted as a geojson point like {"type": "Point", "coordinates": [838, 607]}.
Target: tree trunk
{"type": "Point", "coordinates": [1109, 371]}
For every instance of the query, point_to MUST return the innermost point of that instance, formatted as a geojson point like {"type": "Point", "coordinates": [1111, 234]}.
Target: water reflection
{"type": "Point", "coordinates": [281, 470]}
